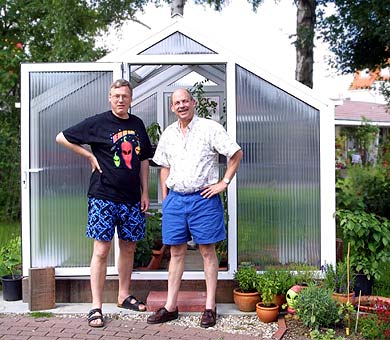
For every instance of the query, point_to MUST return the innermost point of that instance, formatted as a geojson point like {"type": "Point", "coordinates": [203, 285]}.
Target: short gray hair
{"type": "Point", "coordinates": [121, 82]}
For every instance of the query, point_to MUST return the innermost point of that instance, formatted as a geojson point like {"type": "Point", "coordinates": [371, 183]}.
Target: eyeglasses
{"type": "Point", "coordinates": [117, 97]}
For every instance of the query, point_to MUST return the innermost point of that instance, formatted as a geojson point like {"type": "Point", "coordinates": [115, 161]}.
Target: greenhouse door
{"type": "Point", "coordinates": [54, 180]}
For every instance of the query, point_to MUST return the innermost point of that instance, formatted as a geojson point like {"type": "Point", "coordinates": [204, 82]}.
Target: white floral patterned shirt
{"type": "Point", "coordinates": [193, 158]}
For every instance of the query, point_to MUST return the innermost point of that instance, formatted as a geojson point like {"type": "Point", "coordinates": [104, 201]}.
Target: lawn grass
{"type": "Point", "coordinates": [278, 225]}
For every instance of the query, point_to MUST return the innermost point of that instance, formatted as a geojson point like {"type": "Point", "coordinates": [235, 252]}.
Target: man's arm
{"type": "Point", "coordinates": [144, 177]}
{"type": "Point", "coordinates": [76, 148]}
{"type": "Point", "coordinates": [231, 170]}
{"type": "Point", "coordinates": [232, 165]}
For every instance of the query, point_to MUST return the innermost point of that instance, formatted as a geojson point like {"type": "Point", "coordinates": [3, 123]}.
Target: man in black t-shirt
{"type": "Point", "coordinates": [118, 190]}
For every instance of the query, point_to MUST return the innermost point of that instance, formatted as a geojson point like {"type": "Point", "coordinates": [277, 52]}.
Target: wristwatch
{"type": "Point", "coordinates": [226, 180]}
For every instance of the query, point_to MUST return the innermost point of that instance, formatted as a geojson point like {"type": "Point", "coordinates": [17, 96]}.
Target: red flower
{"type": "Point", "coordinates": [19, 45]}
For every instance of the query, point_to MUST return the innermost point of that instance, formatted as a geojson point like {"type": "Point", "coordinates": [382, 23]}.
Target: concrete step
{"type": "Point", "coordinates": [187, 301]}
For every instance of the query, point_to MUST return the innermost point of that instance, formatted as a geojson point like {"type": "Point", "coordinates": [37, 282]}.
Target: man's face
{"type": "Point", "coordinates": [182, 105]}
{"type": "Point", "coordinates": [120, 99]}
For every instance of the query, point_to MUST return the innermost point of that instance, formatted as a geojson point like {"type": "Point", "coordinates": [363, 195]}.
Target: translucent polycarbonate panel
{"type": "Point", "coordinates": [192, 78]}
{"type": "Point", "coordinates": [177, 43]}
{"type": "Point", "coordinates": [147, 111]}
{"type": "Point", "coordinates": [58, 177]}
{"type": "Point", "coordinates": [150, 77]}
{"type": "Point", "coordinates": [278, 198]}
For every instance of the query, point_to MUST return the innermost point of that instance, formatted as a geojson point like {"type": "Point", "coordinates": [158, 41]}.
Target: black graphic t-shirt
{"type": "Point", "coordinates": [119, 146]}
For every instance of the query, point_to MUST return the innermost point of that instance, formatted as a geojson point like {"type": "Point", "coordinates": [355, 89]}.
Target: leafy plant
{"type": "Point", "coordinates": [247, 279]}
{"type": "Point", "coordinates": [221, 248]}
{"type": "Point", "coordinates": [205, 107]}
{"type": "Point", "coordinates": [11, 257]}
{"type": "Point", "coordinates": [376, 325]}
{"type": "Point", "coordinates": [154, 132]}
{"type": "Point", "coordinates": [273, 282]}
{"type": "Point", "coordinates": [153, 228]}
{"type": "Point", "coordinates": [152, 240]}
{"type": "Point", "coordinates": [365, 188]}
{"type": "Point", "coordinates": [369, 236]}
{"type": "Point", "coordinates": [336, 279]}
{"type": "Point", "coordinates": [267, 287]}
{"type": "Point", "coordinates": [316, 308]}
{"type": "Point", "coordinates": [329, 335]}
{"type": "Point", "coordinates": [363, 135]}
{"type": "Point", "coordinates": [303, 274]}
{"type": "Point", "coordinates": [381, 287]}
{"type": "Point", "coordinates": [283, 280]}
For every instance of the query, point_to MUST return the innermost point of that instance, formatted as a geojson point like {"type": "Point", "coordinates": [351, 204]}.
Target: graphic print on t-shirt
{"type": "Point", "coordinates": [126, 143]}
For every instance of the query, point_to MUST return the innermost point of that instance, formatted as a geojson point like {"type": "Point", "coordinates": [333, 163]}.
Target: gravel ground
{"type": "Point", "coordinates": [235, 324]}
{"type": "Point", "coordinates": [239, 324]}
{"type": "Point", "coordinates": [248, 325]}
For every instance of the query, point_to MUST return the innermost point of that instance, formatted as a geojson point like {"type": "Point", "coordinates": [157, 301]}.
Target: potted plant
{"type": "Point", "coordinates": [283, 281]}
{"type": "Point", "coordinates": [369, 238]}
{"type": "Point", "coordinates": [336, 281]}
{"type": "Point", "coordinates": [246, 295]}
{"type": "Point", "coordinates": [150, 251]}
{"type": "Point", "coordinates": [222, 254]}
{"type": "Point", "coordinates": [10, 262]}
{"type": "Point", "coordinates": [154, 133]}
{"type": "Point", "coordinates": [267, 310]}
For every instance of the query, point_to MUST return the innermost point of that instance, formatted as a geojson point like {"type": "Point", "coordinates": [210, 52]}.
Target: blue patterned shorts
{"type": "Point", "coordinates": [104, 216]}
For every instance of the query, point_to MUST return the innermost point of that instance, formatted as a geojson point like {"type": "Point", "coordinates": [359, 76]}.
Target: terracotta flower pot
{"type": "Point", "coordinates": [246, 302]}
{"type": "Point", "coordinates": [370, 303]}
{"type": "Point", "coordinates": [344, 298]}
{"type": "Point", "coordinates": [280, 300]}
{"type": "Point", "coordinates": [267, 314]}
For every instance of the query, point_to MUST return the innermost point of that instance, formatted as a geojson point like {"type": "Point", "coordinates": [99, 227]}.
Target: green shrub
{"type": "Point", "coordinates": [336, 279]}
{"type": "Point", "coordinates": [247, 279]}
{"type": "Point", "coordinates": [365, 188]}
{"type": "Point", "coordinates": [316, 308]}
{"type": "Point", "coordinates": [11, 257]}
{"type": "Point", "coordinates": [329, 335]}
{"type": "Point", "coordinates": [382, 286]}
{"type": "Point", "coordinates": [369, 237]}
{"type": "Point", "coordinates": [369, 327]}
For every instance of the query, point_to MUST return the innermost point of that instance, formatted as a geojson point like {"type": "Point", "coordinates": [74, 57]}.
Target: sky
{"type": "Point", "coordinates": [262, 38]}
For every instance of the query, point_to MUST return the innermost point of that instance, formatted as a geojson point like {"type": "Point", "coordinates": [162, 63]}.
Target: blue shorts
{"type": "Point", "coordinates": [104, 216]}
{"type": "Point", "coordinates": [184, 215]}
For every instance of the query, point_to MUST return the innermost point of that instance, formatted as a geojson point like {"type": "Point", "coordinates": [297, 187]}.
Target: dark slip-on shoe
{"type": "Point", "coordinates": [162, 315]}
{"type": "Point", "coordinates": [209, 318]}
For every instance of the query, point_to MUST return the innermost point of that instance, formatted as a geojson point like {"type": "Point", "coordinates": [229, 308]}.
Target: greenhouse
{"type": "Point", "coordinates": [280, 205]}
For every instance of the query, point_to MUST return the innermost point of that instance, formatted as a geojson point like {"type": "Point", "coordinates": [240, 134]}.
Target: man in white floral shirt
{"type": "Point", "coordinates": [188, 154]}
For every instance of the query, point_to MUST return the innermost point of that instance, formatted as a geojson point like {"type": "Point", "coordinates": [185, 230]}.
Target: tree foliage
{"type": "Point", "coordinates": [358, 33]}
{"type": "Point", "coordinates": [44, 31]}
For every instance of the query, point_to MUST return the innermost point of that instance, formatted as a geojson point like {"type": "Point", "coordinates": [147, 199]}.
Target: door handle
{"type": "Point", "coordinates": [25, 175]}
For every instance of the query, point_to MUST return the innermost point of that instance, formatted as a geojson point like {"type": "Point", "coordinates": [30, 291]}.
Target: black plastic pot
{"type": "Point", "coordinates": [362, 283]}
{"type": "Point", "coordinates": [12, 287]}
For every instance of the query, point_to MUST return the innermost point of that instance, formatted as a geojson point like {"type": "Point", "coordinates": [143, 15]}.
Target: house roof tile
{"type": "Point", "coordinates": [354, 110]}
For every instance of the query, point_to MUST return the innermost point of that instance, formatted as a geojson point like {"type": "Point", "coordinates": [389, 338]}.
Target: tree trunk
{"type": "Point", "coordinates": [306, 18]}
{"type": "Point", "coordinates": [177, 7]}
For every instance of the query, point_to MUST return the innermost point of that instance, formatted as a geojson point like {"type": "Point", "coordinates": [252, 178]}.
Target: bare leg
{"type": "Point", "coordinates": [176, 269]}
{"type": "Point", "coordinates": [210, 263]}
{"type": "Point", "coordinates": [98, 273]}
{"type": "Point", "coordinates": [125, 268]}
